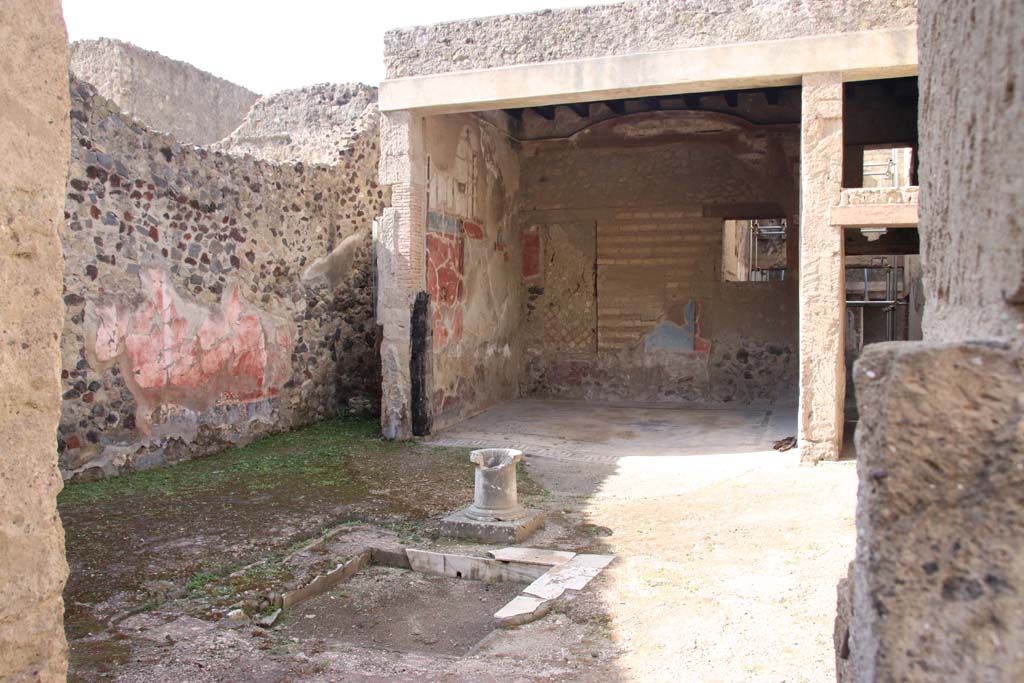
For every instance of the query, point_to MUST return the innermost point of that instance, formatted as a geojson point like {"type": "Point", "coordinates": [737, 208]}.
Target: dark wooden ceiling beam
{"type": "Point", "coordinates": [617, 106]}
{"type": "Point", "coordinates": [581, 109]}
{"type": "Point", "coordinates": [545, 112]}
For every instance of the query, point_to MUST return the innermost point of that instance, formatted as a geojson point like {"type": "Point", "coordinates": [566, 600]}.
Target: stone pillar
{"type": "Point", "coordinates": [400, 261]}
{"type": "Point", "coordinates": [822, 299]}
{"type": "Point", "coordinates": [34, 146]}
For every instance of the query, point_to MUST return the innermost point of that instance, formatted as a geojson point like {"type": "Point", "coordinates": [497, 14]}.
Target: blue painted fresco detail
{"type": "Point", "coordinates": [668, 336]}
{"type": "Point", "coordinates": [439, 222]}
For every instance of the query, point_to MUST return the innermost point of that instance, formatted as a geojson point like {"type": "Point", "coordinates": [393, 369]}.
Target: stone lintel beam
{"type": "Point", "coordinates": [876, 207]}
{"type": "Point", "coordinates": [822, 310]}
{"type": "Point", "coordinates": [874, 216]}
{"type": "Point", "coordinates": [400, 261]}
{"type": "Point", "coordinates": [883, 53]}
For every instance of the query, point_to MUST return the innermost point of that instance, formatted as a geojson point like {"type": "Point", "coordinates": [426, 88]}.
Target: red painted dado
{"type": "Point", "coordinates": [177, 352]}
{"type": "Point", "coordinates": [531, 252]}
{"type": "Point", "coordinates": [446, 268]}
{"type": "Point", "coordinates": [452, 399]}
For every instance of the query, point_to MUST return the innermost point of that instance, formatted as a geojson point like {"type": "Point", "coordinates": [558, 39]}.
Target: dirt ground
{"type": "Point", "coordinates": [726, 567]}
{"type": "Point", "coordinates": [398, 609]}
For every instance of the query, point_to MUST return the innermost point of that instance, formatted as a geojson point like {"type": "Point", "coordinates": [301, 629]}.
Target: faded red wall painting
{"type": "Point", "coordinates": [182, 353]}
{"type": "Point", "coordinates": [446, 271]}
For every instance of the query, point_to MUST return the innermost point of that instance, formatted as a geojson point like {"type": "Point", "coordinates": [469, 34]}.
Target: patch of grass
{"type": "Point", "coordinates": [208, 575]}
{"type": "Point", "coordinates": [267, 570]}
{"type": "Point", "coordinates": [408, 531]}
{"type": "Point", "coordinates": [199, 580]}
{"type": "Point", "coordinates": [312, 454]}
{"type": "Point", "coordinates": [298, 545]}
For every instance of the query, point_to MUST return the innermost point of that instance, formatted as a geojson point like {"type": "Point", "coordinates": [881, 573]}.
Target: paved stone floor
{"type": "Point", "coordinates": [604, 432]}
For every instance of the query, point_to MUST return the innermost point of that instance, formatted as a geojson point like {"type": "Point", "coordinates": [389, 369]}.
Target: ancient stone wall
{"type": "Point", "coordinates": [167, 95]}
{"type": "Point", "coordinates": [625, 28]}
{"type": "Point", "coordinates": [972, 191]}
{"type": "Point", "coordinates": [319, 124]}
{"type": "Point", "coordinates": [210, 298]}
{"type": "Point", "coordinates": [938, 579]}
{"type": "Point", "coordinates": [622, 255]}
{"type": "Point", "coordinates": [472, 274]}
{"type": "Point", "coordinates": [34, 146]}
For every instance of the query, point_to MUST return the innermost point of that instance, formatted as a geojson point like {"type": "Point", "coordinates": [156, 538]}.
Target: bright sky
{"type": "Point", "coordinates": [272, 45]}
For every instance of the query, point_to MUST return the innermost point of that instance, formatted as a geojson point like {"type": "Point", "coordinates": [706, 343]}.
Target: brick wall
{"type": "Point", "coordinates": [650, 263]}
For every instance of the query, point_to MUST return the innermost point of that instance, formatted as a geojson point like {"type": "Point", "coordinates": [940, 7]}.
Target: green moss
{"type": "Point", "coordinates": [312, 454]}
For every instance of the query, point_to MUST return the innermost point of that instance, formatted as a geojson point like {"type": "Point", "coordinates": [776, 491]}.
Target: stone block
{"type": "Point", "coordinates": [460, 525]}
{"type": "Point", "coordinates": [540, 556]}
{"type": "Point", "coordinates": [572, 575]}
{"type": "Point", "coordinates": [325, 582]}
{"type": "Point", "coordinates": [938, 585]}
{"type": "Point", "coordinates": [468, 567]}
{"type": "Point", "coordinates": [522, 609]}
{"type": "Point", "coordinates": [390, 557]}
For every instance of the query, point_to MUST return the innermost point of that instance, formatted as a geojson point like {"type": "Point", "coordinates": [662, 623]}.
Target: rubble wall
{"type": "Point", "coordinates": [167, 95]}
{"type": "Point", "coordinates": [622, 256]}
{"type": "Point", "coordinates": [626, 28]}
{"type": "Point", "coordinates": [210, 298]}
{"type": "Point", "coordinates": [34, 147]}
{"type": "Point", "coordinates": [319, 124]}
{"type": "Point", "coordinates": [472, 273]}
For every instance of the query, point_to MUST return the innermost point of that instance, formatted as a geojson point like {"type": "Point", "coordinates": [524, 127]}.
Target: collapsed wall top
{"type": "Point", "coordinates": [626, 28]}
{"type": "Point", "coordinates": [318, 124]}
